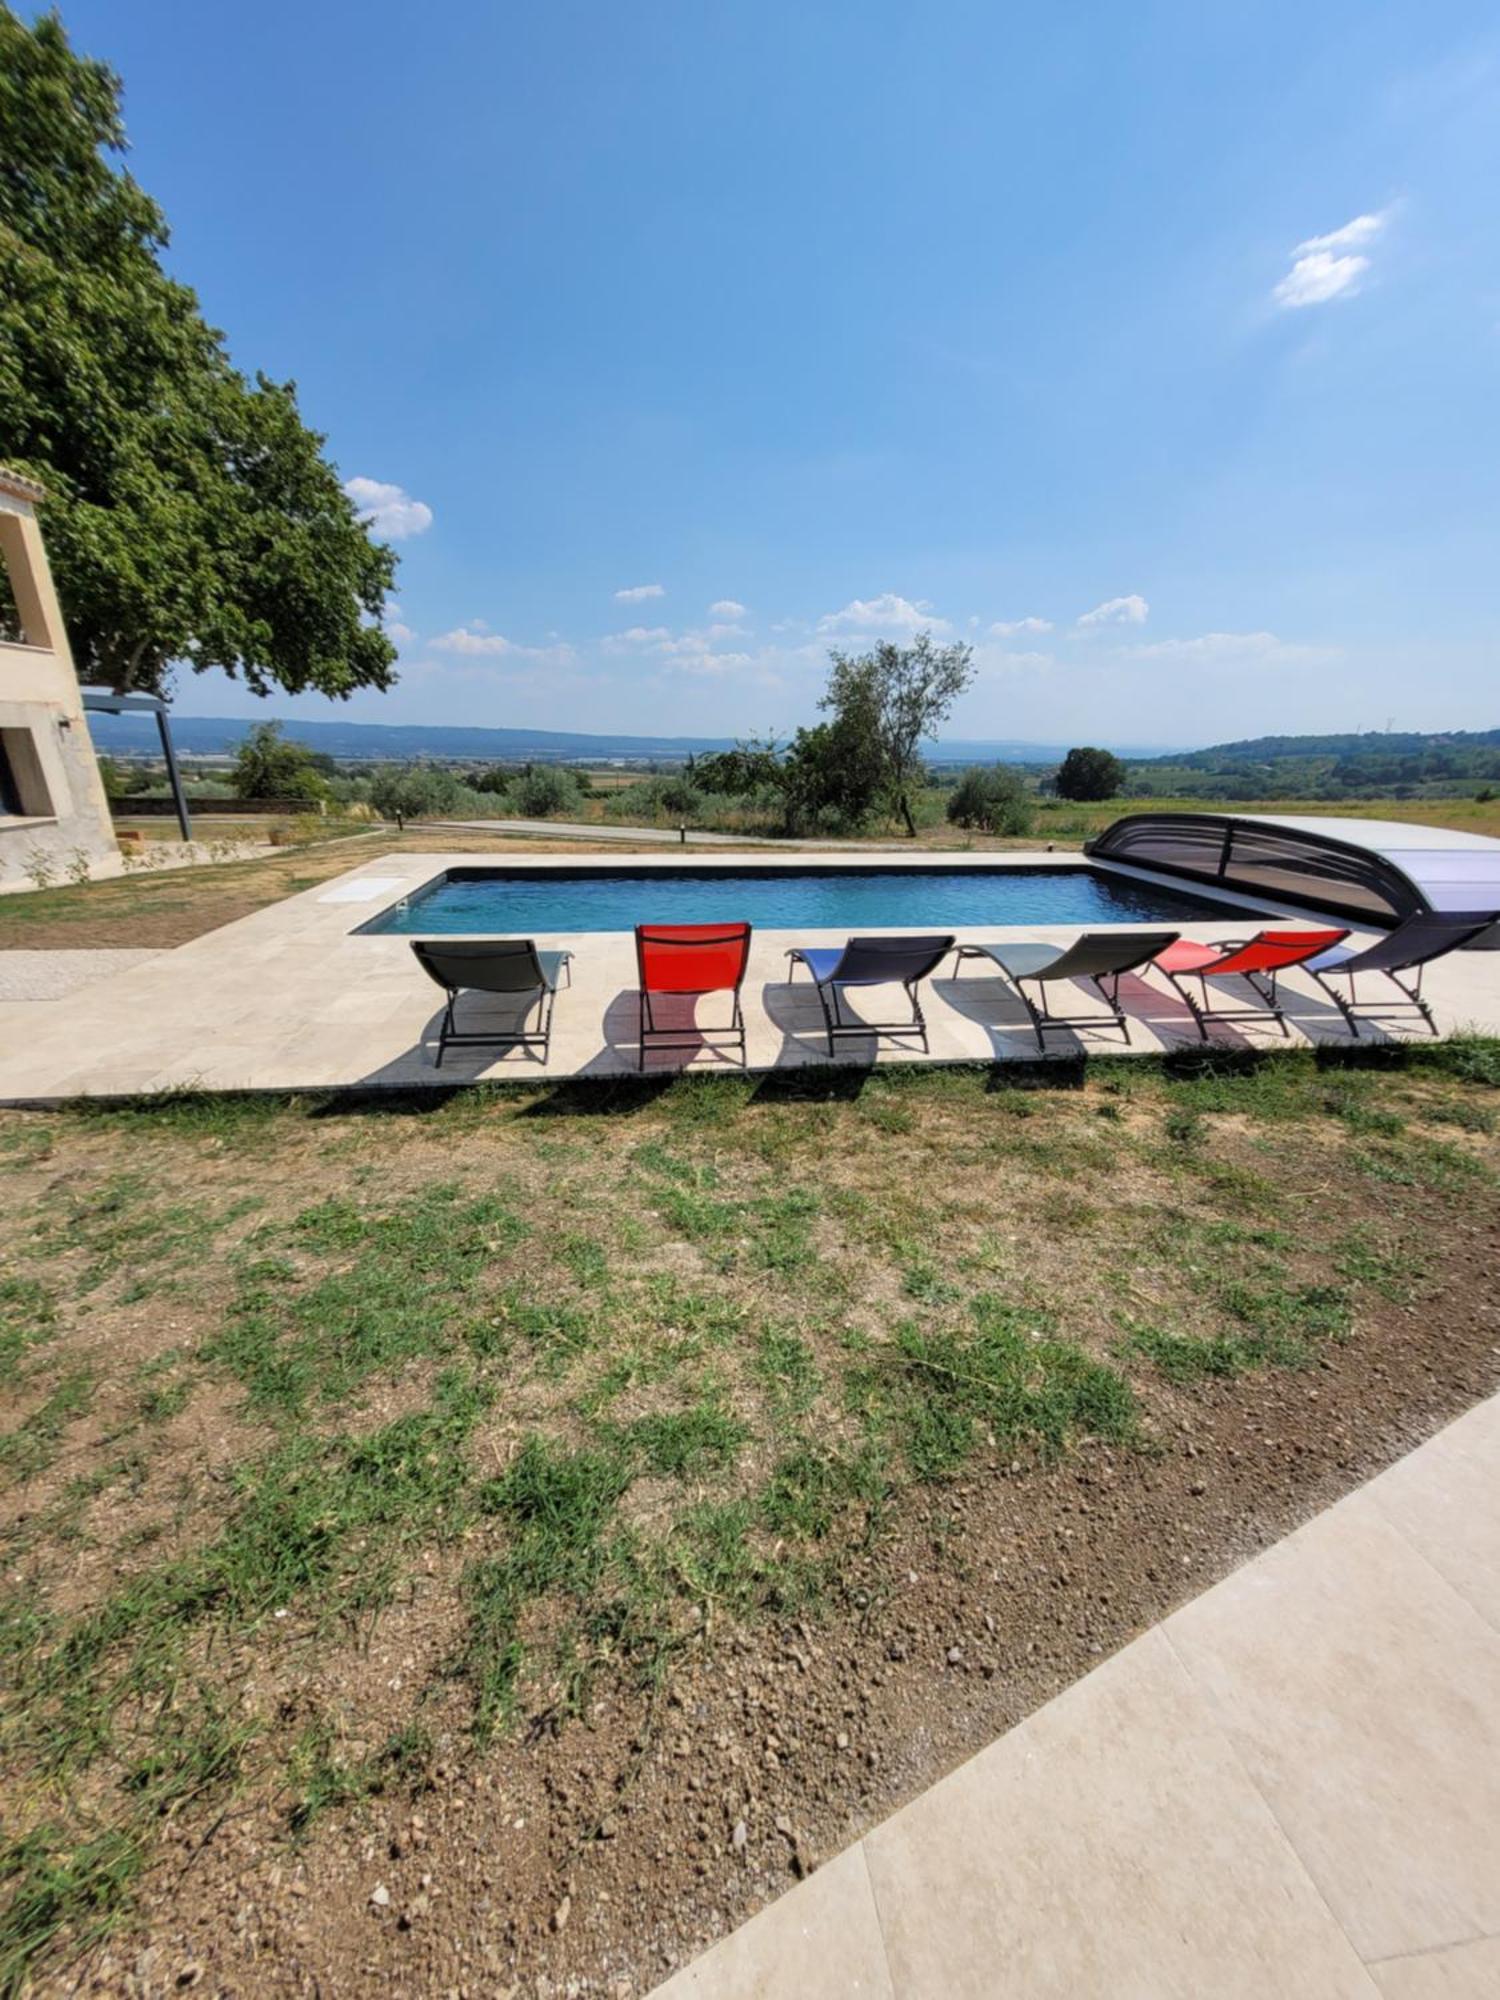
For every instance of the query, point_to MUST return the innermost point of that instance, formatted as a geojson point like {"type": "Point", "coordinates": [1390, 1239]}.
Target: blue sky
{"type": "Point", "coordinates": [1155, 350]}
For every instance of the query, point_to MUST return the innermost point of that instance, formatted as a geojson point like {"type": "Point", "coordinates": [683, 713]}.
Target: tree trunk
{"type": "Point", "coordinates": [911, 825]}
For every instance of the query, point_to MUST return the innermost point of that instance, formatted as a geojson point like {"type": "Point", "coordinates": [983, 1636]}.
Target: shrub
{"type": "Point", "coordinates": [544, 790]}
{"type": "Point", "coordinates": [993, 800]}
{"type": "Point", "coordinates": [415, 791]}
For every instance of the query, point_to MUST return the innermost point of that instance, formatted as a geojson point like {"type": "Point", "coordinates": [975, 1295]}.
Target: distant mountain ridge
{"type": "Point", "coordinates": [1361, 743]}
{"type": "Point", "coordinates": [397, 742]}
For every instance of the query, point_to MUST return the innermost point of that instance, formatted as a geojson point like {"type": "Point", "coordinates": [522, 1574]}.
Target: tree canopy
{"type": "Point", "coordinates": [192, 514]}
{"type": "Point", "coordinates": [267, 766]}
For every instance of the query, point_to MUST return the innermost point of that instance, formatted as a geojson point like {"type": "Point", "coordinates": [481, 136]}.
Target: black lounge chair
{"type": "Point", "coordinates": [511, 966]}
{"type": "Point", "coordinates": [1408, 948]}
{"type": "Point", "coordinates": [872, 961]}
{"type": "Point", "coordinates": [1099, 956]}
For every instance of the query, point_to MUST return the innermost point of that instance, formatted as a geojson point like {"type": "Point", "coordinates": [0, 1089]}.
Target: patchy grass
{"type": "Point", "coordinates": [579, 1379]}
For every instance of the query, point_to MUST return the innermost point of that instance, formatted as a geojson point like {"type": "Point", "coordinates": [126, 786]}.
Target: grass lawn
{"type": "Point", "coordinates": [465, 1538]}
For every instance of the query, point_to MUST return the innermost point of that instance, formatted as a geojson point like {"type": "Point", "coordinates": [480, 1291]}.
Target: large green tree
{"type": "Point", "coordinates": [1087, 773]}
{"type": "Point", "coordinates": [193, 515]}
{"type": "Point", "coordinates": [898, 695]}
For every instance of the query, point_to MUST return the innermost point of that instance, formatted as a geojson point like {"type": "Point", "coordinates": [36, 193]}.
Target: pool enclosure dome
{"type": "Point", "coordinates": [1378, 871]}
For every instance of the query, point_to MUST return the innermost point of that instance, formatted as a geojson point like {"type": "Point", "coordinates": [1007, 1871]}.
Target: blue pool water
{"type": "Point", "coordinates": [495, 902]}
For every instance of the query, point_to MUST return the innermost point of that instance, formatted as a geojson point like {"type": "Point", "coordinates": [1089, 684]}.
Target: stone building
{"type": "Point", "coordinates": [54, 817]}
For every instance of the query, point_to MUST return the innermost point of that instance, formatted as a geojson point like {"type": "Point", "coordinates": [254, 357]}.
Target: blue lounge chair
{"type": "Point", "coordinates": [509, 966]}
{"type": "Point", "coordinates": [1412, 945]}
{"type": "Point", "coordinates": [872, 961]}
{"type": "Point", "coordinates": [1098, 956]}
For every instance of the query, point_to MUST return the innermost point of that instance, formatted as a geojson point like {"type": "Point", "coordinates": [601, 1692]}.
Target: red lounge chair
{"type": "Point", "coordinates": [1256, 960]}
{"type": "Point", "coordinates": [687, 961]}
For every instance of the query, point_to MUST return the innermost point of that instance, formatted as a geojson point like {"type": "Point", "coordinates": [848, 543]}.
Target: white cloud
{"type": "Point", "coordinates": [1215, 649]}
{"type": "Point", "coordinates": [1327, 267]}
{"type": "Point", "coordinates": [638, 635]}
{"type": "Point", "coordinates": [887, 613]}
{"type": "Point", "coordinates": [726, 608]}
{"type": "Point", "coordinates": [993, 661]}
{"type": "Point", "coordinates": [639, 592]}
{"type": "Point", "coordinates": [472, 638]}
{"type": "Point", "coordinates": [390, 510]}
{"type": "Point", "coordinates": [475, 641]}
{"type": "Point", "coordinates": [1009, 628]}
{"type": "Point", "coordinates": [398, 632]}
{"type": "Point", "coordinates": [1117, 611]}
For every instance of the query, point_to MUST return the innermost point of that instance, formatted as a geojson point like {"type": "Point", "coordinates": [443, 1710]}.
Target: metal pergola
{"type": "Point", "coordinates": [95, 701]}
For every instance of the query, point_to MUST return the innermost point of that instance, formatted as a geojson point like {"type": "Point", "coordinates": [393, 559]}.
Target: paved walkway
{"type": "Point", "coordinates": [301, 996]}
{"type": "Point", "coordinates": [568, 829]}
{"type": "Point", "coordinates": [1291, 1787]}
{"type": "Point", "coordinates": [49, 975]}
{"type": "Point", "coordinates": [657, 836]}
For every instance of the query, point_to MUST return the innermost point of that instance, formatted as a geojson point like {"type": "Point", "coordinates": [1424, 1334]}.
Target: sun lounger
{"type": "Point", "coordinates": [872, 961]}
{"type": "Point", "coordinates": [1408, 948]}
{"type": "Point", "coordinates": [1098, 956]}
{"type": "Point", "coordinates": [1256, 960]}
{"type": "Point", "coordinates": [507, 966]}
{"type": "Point", "coordinates": [688, 961]}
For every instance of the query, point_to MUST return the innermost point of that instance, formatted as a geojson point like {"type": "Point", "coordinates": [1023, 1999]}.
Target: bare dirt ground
{"type": "Point", "coordinates": [993, 1378]}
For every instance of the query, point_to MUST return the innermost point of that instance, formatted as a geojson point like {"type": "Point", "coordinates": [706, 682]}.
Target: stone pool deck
{"type": "Point", "coordinates": [1290, 1787]}
{"type": "Point", "coordinates": [293, 997]}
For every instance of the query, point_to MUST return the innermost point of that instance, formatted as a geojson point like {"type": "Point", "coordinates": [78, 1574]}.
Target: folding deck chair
{"type": "Point", "coordinates": [1256, 960]}
{"type": "Point", "coordinates": [687, 961]}
{"type": "Point", "coordinates": [872, 961]}
{"type": "Point", "coordinates": [1408, 948]}
{"type": "Point", "coordinates": [1101, 957]}
{"type": "Point", "coordinates": [506, 966]}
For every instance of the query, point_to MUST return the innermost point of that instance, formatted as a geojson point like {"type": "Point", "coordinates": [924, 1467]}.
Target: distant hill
{"type": "Point", "coordinates": [398, 742]}
{"type": "Point", "coordinates": [1382, 743]}
{"type": "Point", "coordinates": [1372, 764]}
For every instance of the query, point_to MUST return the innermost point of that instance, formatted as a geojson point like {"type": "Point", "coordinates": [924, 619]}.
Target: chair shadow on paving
{"type": "Point", "coordinates": [794, 1010]}
{"type": "Point", "coordinates": [992, 1003]}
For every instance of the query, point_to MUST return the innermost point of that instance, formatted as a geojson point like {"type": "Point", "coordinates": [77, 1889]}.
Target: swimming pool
{"type": "Point", "coordinates": [496, 902]}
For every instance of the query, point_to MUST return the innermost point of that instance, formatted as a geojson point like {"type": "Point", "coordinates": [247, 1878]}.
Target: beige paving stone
{"type": "Point", "coordinates": [1459, 1972]}
{"type": "Point", "coordinates": [1363, 1694]}
{"type": "Point", "coordinates": [820, 1941]}
{"type": "Point", "coordinates": [1110, 1846]}
{"type": "Point", "coordinates": [1443, 1500]}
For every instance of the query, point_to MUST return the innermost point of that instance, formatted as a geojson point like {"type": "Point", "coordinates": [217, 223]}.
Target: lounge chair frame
{"type": "Point", "coordinates": [1263, 985]}
{"type": "Point", "coordinates": [835, 1022]}
{"type": "Point", "coordinates": [1460, 928]}
{"type": "Point", "coordinates": [1411, 1001]}
{"type": "Point", "coordinates": [696, 1037]}
{"type": "Point", "coordinates": [1043, 1018]}
{"type": "Point", "coordinates": [1106, 984]}
{"type": "Point", "coordinates": [545, 998]}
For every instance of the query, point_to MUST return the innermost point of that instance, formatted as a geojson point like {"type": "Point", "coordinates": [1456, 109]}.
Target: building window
{"type": "Point", "coordinates": [23, 787]}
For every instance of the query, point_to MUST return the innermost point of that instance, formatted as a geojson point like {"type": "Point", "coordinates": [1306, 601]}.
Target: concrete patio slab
{"type": "Point", "coordinates": [1363, 1694]}
{"type": "Point", "coordinates": [1290, 1786]}
{"type": "Point", "coordinates": [1136, 1858]}
{"type": "Point", "coordinates": [1458, 1972]}
{"type": "Point", "coordinates": [300, 996]}
{"type": "Point", "coordinates": [821, 1941]}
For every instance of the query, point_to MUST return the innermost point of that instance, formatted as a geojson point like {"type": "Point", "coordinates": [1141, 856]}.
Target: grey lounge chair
{"type": "Point", "coordinates": [1099, 956]}
{"type": "Point", "coordinates": [1408, 948]}
{"type": "Point", "coordinates": [511, 966]}
{"type": "Point", "coordinates": [872, 961]}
